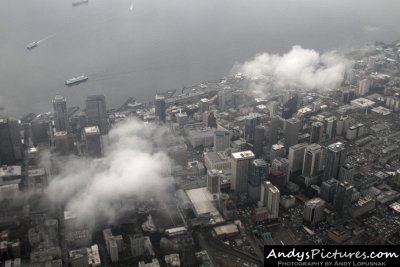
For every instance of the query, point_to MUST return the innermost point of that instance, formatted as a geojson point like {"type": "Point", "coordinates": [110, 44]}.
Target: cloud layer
{"type": "Point", "coordinates": [299, 68]}
{"type": "Point", "coordinates": [134, 166]}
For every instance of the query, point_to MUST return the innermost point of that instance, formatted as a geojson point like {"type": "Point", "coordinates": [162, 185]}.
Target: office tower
{"type": "Point", "coordinates": [277, 151]}
{"type": "Point", "coordinates": [10, 141]}
{"type": "Point", "coordinates": [181, 118]}
{"type": "Point", "coordinates": [61, 143]}
{"type": "Point", "coordinates": [314, 210]}
{"type": "Point", "coordinates": [275, 127]}
{"type": "Point", "coordinates": [251, 121]}
{"type": "Point", "coordinates": [60, 114]}
{"type": "Point", "coordinates": [335, 157]}
{"type": "Point", "coordinates": [292, 128]}
{"type": "Point", "coordinates": [178, 153]}
{"type": "Point", "coordinates": [317, 129]}
{"type": "Point", "coordinates": [258, 173]}
{"type": "Point", "coordinates": [290, 104]}
{"type": "Point", "coordinates": [204, 105]}
{"type": "Point", "coordinates": [259, 137]}
{"type": "Point", "coordinates": [41, 131]}
{"type": "Point", "coordinates": [330, 127]}
{"type": "Point", "coordinates": [96, 112]}
{"type": "Point", "coordinates": [346, 173]}
{"type": "Point", "coordinates": [188, 252]}
{"type": "Point", "coordinates": [222, 140]}
{"type": "Point", "coordinates": [270, 198]}
{"type": "Point", "coordinates": [328, 190]}
{"type": "Point", "coordinates": [312, 163]}
{"type": "Point", "coordinates": [160, 108]}
{"type": "Point", "coordinates": [343, 196]}
{"type": "Point", "coordinates": [237, 98]}
{"type": "Point", "coordinates": [224, 97]}
{"type": "Point", "coordinates": [213, 181]}
{"type": "Point", "coordinates": [363, 87]}
{"type": "Point", "coordinates": [240, 163]}
{"type": "Point", "coordinates": [93, 146]}
{"type": "Point", "coordinates": [296, 158]}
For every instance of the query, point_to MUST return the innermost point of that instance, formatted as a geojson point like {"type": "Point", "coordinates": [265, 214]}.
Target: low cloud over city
{"type": "Point", "coordinates": [132, 166]}
{"type": "Point", "coordinates": [298, 68]}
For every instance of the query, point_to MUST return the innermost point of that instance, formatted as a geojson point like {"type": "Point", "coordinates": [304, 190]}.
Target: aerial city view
{"type": "Point", "coordinates": [196, 133]}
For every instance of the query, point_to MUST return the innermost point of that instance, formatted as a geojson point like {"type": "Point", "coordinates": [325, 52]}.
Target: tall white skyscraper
{"type": "Point", "coordinates": [312, 160]}
{"type": "Point", "coordinates": [270, 198]}
{"type": "Point", "coordinates": [240, 163]}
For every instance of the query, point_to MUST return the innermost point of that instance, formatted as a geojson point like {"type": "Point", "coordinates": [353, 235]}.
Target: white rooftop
{"type": "Point", "coordinates": [92, 130]}
{"type": "Point", "coordinates": [243, 154]}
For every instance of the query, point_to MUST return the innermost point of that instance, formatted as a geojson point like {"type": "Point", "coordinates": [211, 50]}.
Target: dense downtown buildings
{"type": "Point", "coordinates": [303, 166]}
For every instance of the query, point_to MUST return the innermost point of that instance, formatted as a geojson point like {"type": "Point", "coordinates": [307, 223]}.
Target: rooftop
{"type": "Point", "coordinates": [92, 130]}
{"type": "Point", "coordinates": [243, 155]}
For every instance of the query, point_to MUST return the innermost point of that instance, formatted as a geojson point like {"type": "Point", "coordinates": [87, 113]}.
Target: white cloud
{"type": "Point", "coordinates": [299, 68]}
{"type": "Point", "coordinates": [134, 166]}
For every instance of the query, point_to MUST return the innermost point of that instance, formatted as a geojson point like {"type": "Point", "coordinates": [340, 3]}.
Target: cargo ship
{"type": "Point", "coordinates": [76, 80]}
{"type": "Point", "coordinates": [32, 45]}
{"type": "Point", "coordinates": [80, 3]}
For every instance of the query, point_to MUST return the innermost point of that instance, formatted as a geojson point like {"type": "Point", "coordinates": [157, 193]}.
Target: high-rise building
{"type": "Point", "coordinates": [258, 173]}
{"type": "Point", "coordinates": [222, 140]}
{"type": "Point", "coordinates": [296, 158]}
{"type": "Point", "coordinates": [93, 145]}
{"type": "Point", "coordinates": [290, 104]}
{"type": "Point", "coordinates": [314, 210]}
{"type": "Point", "coordinates": [259, 137]}
{"type": "Point", "coordinates": [343, 196]}
{"type": "Point", "coordinates": [346, 173]}
{"type": "Point", "coordinates": [60, 114]}
{"type": "Point", "coordinates": [213, 181]}
{"type": "Point", "coordinates": [292, 128]}
{"type": "Point", "coordinates": [335, 158]}
{"type": "Point", "coordinates": [224, 97]}
{"type": "Point", "coordinates": [312, 163]}
{"type": "Point", "coordinates": [252, 120]}
{"type": "Point", "coordinates": [160, 108]}
{"type": "Point", "coordinates": [61, 143]}
{"type": "Point", "coordinates": [10, 141]}
{"type": "Point", "coordinates": [96, 112]}
{"type": "Point", "coordinates": [317, 129]}
{"type": "Point", "coordinates": [275, 127]}
{"type": "Point", "coordinates": [204, 105]}
{"type": "Point", "coordinates": [328, 190]}
{"type": "Point", "coordinates": [240, 163]}
{"type": "Point", "coordinates": [363, 87]}
{"type": "Point", "coordinates": [330, 127]}
{"type": "Point", "coordinates": [270, 198]}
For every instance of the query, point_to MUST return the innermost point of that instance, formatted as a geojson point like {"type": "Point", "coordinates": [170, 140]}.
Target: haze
{"type": "Point", "coordinates": [158, 45]}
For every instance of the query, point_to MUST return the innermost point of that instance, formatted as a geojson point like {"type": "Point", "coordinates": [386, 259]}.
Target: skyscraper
{"type": "Point", "coordinates": [314, 210]}
{"type": "Point", "coordinates": [159, 107]}
{"type": "Point", "coordinates": [342, 200]}
{"type": "Point", "coordinates": [96, 112]}
{"type": "Point", "coordinates": [93, 146]}
{"type": "Point", "coordinates": [312, 160]}
{"type": "Point", "coordinates": [292, 128]}
{"type": "Point", "coordinates": [252, 120]}
{"type": "Point", "coordinates": [258, 173]}
{"type": "Point", "coordinates": [328, 190]}
{"type": "Point", "coordinates": [296, 158]}
{"type": "Point", "coordinates": [204, 105]}
{"type": "Point", "coordinates": [270, 198]}
{"type": "Point", "coordinates": [60, 114]}
{"type": "Point", "coordinates": [10, 141]}
{"type": "Point", "coordinates": [222, 140]}
{"type": "Point", "coordinates": [335, 158]}
{"type": "Point", "coordinates": [259, 137]}
{"type": "Point", "coordinates": [290, 104]}
{"type": "Point", "coordinates": [330, 126]}
{"type": "Point", "coordinates": [316, 132]}
{"type": "Point", "coordinates": [213, 181]}
{"type": "Point", "coordinates": [61, 143]}
{"type": "Point", "coordinates": [240, 163]}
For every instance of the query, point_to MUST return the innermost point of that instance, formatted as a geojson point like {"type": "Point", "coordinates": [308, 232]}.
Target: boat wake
{"type": "Point", "coordinates": [46, 38]}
